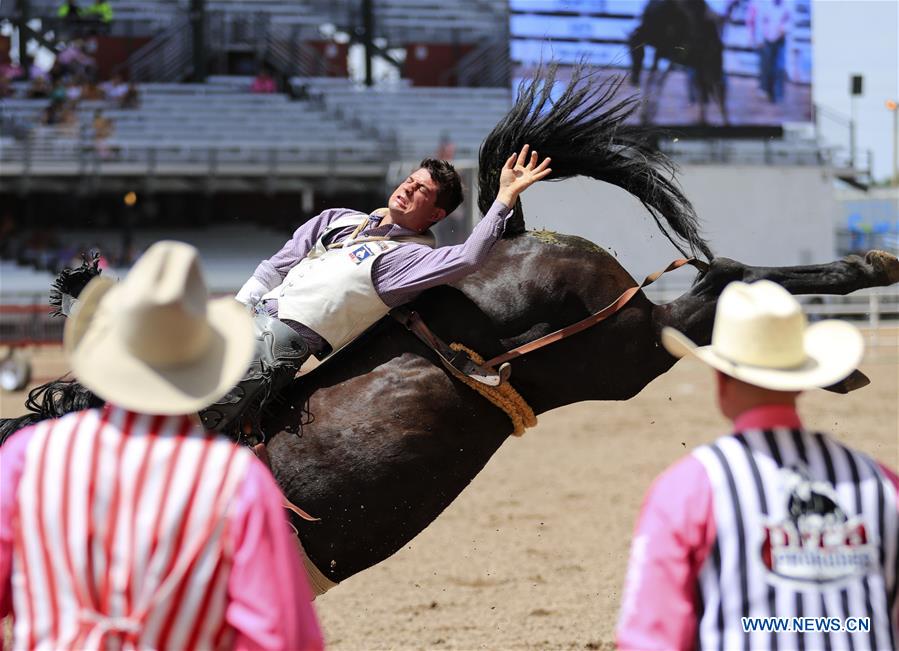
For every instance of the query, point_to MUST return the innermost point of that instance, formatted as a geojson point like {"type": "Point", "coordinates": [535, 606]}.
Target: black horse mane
{"type": "Point", "coordinates": [58, 397]}
{"type": "Point", "coordinates": [584, 132]}
{"type": "Point", "coordinates": [69, 283]}
{"type": "Point", "coordinates": [51, 400]}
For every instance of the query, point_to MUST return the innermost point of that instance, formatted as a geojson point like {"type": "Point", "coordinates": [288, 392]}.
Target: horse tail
{"type": "Point", "coordinates": [51, 400]}
{"type": "Point", "coordinates": [584, 132]}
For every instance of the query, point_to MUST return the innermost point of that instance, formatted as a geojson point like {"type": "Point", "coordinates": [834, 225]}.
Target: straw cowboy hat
{"type": "Point", "coordinates": [153, 342]}
{"type": "Point", "coordinates": [762, 337]}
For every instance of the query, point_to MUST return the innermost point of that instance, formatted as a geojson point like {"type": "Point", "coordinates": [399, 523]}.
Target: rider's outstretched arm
{"type": "Point", "coordinates": [401, 274]}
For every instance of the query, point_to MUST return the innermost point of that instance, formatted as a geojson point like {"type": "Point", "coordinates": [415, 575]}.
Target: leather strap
{"type": "Point", "coordinates": [352, 238]}
{"type": "Point", "coordinates": [261, 453]}
{"type": "Point", "coordinates": [457, 359]}
{"type": "Point", "coordinates": [595, 318]}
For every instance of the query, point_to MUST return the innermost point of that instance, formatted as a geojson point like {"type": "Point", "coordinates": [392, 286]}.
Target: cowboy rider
{"type": "Point", "coordinates": [343, 270]}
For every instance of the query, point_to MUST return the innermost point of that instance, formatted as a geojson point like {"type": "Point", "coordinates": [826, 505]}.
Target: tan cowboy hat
{"type": "Point", "coordinates": [762, 337]}
{"type": "Point", "coordinates": [154, 343]}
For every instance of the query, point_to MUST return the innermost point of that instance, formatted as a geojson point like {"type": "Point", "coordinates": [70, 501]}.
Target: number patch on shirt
{"type": "Point", "coordinates": [363, 251]}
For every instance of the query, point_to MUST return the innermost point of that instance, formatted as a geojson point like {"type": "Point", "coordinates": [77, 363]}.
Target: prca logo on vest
{"type": "Point", "coordinates": [816, 542]}
{"type": "Point", "coordinates": [366, 250]}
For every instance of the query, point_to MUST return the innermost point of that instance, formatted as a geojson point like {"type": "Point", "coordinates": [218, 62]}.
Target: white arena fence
{"type": "Point", "coordinates": [873, 309]}
{"type": "Point", "coordinates": [25, 317]}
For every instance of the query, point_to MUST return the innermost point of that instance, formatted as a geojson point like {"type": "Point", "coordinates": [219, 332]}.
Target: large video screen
{"type": "Point", "coordinates": [693, 62]}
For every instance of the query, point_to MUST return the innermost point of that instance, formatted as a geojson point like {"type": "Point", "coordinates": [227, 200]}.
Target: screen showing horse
{"type": "Point", "coordinates": [717, 62]}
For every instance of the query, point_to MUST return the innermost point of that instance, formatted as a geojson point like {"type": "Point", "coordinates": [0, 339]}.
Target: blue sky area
{"type": "Point", "coordinates": [858, 37]}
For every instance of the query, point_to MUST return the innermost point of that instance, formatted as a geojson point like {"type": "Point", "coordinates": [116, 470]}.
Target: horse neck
{"type": "Point", "coordinates": [538, 283]}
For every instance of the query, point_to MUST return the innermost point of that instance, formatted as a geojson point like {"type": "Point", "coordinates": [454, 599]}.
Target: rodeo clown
{"type": "Point", "coordinates": [128, 526]}
{"type": "Point", "coordinates": [773, 536]}
{"type": "Point", "coordinates": [343, 270]}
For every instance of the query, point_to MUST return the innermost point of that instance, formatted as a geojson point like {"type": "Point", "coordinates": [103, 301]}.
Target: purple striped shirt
{"type": "Point", "coordinates": [399, 275]}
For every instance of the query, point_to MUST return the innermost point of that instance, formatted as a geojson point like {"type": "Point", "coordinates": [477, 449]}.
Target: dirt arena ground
{"type": "Point", "coordinates": [533, 554]}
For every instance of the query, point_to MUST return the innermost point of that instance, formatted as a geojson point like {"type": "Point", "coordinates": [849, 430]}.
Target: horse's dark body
{"type": "Point", "coordinates": [685, 33]}
{"type": "Point", "coordinates": [395, 438]}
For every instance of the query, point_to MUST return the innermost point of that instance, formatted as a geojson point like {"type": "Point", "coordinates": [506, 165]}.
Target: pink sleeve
{"type": "Point", "coordinates": [894, 480]}
{"type": "Point", "coordinates": [673, 537]}
{"type": "Point", "coordinates": [892, 477]}
{"type": "Point", "coordinates": [269, 600]}
{"type": "Point", "coordinates": [12, 463]}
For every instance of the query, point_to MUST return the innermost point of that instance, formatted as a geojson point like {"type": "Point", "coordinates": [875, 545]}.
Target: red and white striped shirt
{"type": "Point", "coordinates": [128, 530]}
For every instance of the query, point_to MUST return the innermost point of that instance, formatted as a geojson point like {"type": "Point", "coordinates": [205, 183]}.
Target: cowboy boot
{"type": "Point", "coordinates": [279, 353]}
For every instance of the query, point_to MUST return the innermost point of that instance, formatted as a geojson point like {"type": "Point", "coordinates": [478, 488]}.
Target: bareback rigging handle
{"type": "Point", "coordinates": [596, 317]}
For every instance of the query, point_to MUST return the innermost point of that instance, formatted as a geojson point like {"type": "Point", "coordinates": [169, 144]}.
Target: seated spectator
{"type": "Point", "coordinates": [58, 92]}
{"type": "Point", "coordinates": [264, 83]}
{"type": "Point", "coordinates": [38, 89]}
{"type": "Point", "coordinates": [72, 60]}
{"type": "Point", "coordinates": [102, 125]}
{"type": "Point", "coordinates": [103, 261]}
{"type": "Point", "coordinates": [103, 128]}
{"type": "Point", "coordinates": [90, 91]}
{"type": "Point", "coordinates": [11, 71]}
{"type": "Point", "coordinates": [446, 150]}
{"type": "Point", "coordinates": [35, 71]}
{"type": "Point", "coordinates": [69, 125]}
{"type": "Point", "coordinates": [101, 10]}
{"type": "Point", "coordinates": [52, 114]}
{"type": "Point", "coordinates": [20, 72]}
{"type": "Point", "coordinates": [69, 10]}
{"type": "Point", "coordinates": [131, 98]}
{"type": "Point", "coordinates": [74, 90]}
{"type": "Point", "coordinates": [115, 88]}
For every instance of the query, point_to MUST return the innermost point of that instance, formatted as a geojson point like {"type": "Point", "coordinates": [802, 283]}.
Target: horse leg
{"type": "Point", "coordinates": [651, 92]}
{"type": "Point", "coordinates": [694, 312]}
{"type": "Point", "coordinates": [658, 84]}
{"type": "Point", "coordinates": [637, 54]}
{"type": "Point", "coordinates": [721, 97]}
{"type": "Point", "coordinates": [876, 269]}
{"type": "Point", "coordinates": [648, 110]}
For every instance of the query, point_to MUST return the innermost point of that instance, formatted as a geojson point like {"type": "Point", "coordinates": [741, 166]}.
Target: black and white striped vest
{"type": "Point", "coordinates": [806, 527]}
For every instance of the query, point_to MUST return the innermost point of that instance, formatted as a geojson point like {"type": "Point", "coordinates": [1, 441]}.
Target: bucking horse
{"type": "Point", "coordinates": [380, 439]}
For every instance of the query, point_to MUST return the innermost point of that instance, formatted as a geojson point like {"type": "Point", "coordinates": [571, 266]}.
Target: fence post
{"type": "Point", "coordinates": [874, 315]}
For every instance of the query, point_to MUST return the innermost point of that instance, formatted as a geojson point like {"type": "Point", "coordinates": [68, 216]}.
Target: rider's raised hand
{"type": "Point", "coordinates": [519, 173]}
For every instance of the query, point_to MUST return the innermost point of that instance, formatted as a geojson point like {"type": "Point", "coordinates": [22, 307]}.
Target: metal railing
{"type": "Point", "coordinates": [72, 157]}
{"type": "Point", "coordinates": [487, 65]}
{"type": "Point", "coordinates": [765, 152]}
{"type": "Point", "coordinates": [285, 49]}
{"type": "Point", "coordinates": [168, 57]}
{"type": "Point", "coordinates": [871, 308]}
{"type": "Point", "coordinates": [24, 317]}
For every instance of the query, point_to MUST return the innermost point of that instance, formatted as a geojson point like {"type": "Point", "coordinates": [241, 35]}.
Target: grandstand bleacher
{"type": "Point", "coordinates": [230, 253]}
{"type": "Point", "coordinates": [216, 137]}
{"type": "Point", "coordinates": [398, 21]}
{"type": "Point", "coordinates": [189, 123]}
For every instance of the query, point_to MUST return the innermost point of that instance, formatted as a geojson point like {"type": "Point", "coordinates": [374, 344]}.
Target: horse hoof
{"type": "Point", "coordinates": [885, 264]}
{"type": "Point", "coordinates": [856, 380]}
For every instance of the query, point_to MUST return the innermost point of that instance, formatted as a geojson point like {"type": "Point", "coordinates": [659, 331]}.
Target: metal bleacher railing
{"type": "Point", "coordinates": [220, 128]}
{"type": "Point", "coordinates": [25, 318]}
